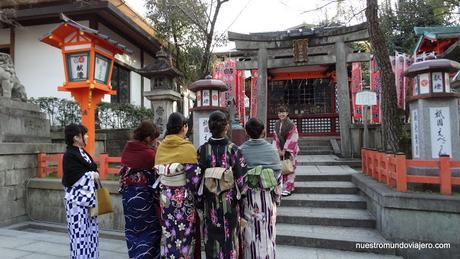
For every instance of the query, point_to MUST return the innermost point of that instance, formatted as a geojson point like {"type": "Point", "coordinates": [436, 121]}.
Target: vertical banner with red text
{"type": "Point", "coordinates": [356, 87]}
{"type": "Point", "coordinates": [376, 86]}
{"type": "Point", "coordinates": [253, 101]}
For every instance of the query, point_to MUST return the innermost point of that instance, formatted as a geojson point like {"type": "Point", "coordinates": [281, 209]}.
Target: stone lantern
{"type": "Point", "coordinates": [434, 110]}
{"type": "Point", "coordinates": [164, 91]}
{"type": "Point", "coordinates": [208, 92]}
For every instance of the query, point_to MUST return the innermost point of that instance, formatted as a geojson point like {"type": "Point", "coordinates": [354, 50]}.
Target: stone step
{"type": "Point", "coordinates": [315, 152]}
{"type": "Point", "coordinates": [324, 173]}
{"type": "Point", "coordinates": [355, 163]}
{"type": "Point", "coordinates": [326, 187]}
{"type": "Point", "coordinates": [351, 201]}
{"type": "Point", "coordinates": [315, 146]}
{"type": "Point", "coordinates": [340, 238]}
{"type": "Point", "coordinates": [290, 252]}
{"type": "Point", "coordinates": [325, 217]}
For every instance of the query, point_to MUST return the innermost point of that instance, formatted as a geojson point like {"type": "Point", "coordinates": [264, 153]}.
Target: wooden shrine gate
{"type": "Point", "coordinates": [307, 70]}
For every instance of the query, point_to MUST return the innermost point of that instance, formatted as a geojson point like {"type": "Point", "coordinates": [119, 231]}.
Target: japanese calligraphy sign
{"type": "Point", "coordinates": [101, 69]}
{"type": "Point", "coordinates": [300, 50]}
{"type": "Point", "coordinates": [415, 134]}
{"type": "Point", "coordinates": [204, 133]}
{"type": "Point", "coordinates": [206, 98]}
{"type": "Point", "coordinates": [441, 142]}
{"type": "Point", "coordinates": [78, 63]}
{"type": "Point", "coordinates": [436, 79]}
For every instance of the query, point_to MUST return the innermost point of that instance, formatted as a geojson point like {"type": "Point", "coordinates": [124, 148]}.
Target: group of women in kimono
{"type": "Point", "coordinates": [174, 195]}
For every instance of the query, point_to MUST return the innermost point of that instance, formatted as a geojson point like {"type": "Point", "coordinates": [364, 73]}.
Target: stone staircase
{"type": "Point", "coordinates": [315, 146]}
{"type": "Point", "coordinates": [326, 213]}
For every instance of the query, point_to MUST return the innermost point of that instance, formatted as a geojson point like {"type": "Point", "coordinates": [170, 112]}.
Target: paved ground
{"type": "Point", "coordinates": [36, 243]}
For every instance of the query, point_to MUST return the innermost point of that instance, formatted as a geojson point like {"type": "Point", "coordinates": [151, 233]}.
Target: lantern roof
{"type": "Point", "coordinates": [208, 83]}
{"type": "Point", "coordinates": [162, 65]}
{"type": "Point", "coordinates": [436, 65]}
{"type": "Point", "coordinates": [64, 33]}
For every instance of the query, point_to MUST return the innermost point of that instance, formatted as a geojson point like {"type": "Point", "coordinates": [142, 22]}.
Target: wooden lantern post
{"type": "Point", "coordinates": [88, 58]}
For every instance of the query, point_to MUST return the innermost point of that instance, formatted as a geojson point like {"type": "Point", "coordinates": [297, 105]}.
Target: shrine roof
{"type": "Point", "coordinates": [430, 35]}
{"type": "Point", "coordinates": [55, 41]}
{"type": "Point", "coordinates": [162, 65]}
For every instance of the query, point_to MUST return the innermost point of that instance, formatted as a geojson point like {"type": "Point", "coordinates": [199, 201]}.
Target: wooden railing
{"type": "Point", "coordinates": [52, 164]}
{"type": "Point", "coordinates": [391, 169]}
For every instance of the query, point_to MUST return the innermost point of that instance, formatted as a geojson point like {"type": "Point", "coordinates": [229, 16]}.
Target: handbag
{"type": "Point", "coordinates": [287, 167]}
{"type": "Point", "coordinates": [103, 201]}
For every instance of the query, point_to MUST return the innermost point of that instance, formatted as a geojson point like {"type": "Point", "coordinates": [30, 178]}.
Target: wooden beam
{"type": "Point", "coordinates": [312, 60]}
{"type": "Point", "coordinates": [12, 42]}
{"type": "Point", "coordinates": [314, 41]}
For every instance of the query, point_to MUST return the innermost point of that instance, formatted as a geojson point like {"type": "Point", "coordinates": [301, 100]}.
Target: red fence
{"type": "Point", "coordinates": [391, 169]}
{"type": "Point", "coordinates": [52, 164]}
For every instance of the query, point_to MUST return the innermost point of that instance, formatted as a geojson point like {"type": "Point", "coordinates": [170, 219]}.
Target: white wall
{"type": "Point", "coordinates": [4, 36]}
{"type": "Point", "coordinates": [39, 66]}
{"type": "Point", "coordinates": [135, 87]}
{"type": "Point", "coordinates": [134, 59]}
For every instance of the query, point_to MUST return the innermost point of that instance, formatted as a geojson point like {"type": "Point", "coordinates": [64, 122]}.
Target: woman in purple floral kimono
{"type": "Point", "coordinates": [179, 180]}
{"type": "Point", "coordinates": [222, 235]}
{"type": "Point", "coordinates": [286, 141]}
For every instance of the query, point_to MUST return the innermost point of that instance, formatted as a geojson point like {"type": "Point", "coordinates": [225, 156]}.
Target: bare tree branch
{"type": "Point", "coordinates": [321, 7]}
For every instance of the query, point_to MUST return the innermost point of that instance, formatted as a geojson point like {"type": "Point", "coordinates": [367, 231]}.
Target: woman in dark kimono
{"type": "Point", "coordinates": [261, 201]}
{"type": "Point", "coordinates": [286, 140]}
{"type": "Point", "coordinates": [80, 171]}
{"type": "Point", "coordinates": [140, 200]}
{"type": "Point", "coordinates": [179, 179]}
{"type": "Point", "coordinates": [222, 210]}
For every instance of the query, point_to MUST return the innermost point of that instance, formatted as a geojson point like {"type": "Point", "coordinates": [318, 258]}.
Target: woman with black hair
{"type": "Point", "coordinates": [264, 182]}
{"type": "Point", "coordinates": [179, 178]}
{"type": "Point", "coordinates": [140, 200]}
{"type": "Point", "coordinates": [80, 172]}
{"type": "Point", "coordinates": [286, 141]}
{"type": "Point", "coordinates": [224, 168]}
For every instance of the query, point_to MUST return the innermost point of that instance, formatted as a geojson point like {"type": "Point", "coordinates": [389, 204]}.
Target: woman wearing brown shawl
{"type": "Point", "coordinates": [179, 179]}
{"type": "Point", "coordinates": [286, 141]}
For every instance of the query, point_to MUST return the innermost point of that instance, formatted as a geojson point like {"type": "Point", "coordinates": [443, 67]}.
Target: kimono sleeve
{"type": "Point", "coordinates": [239, 170]}
{"type": "Point", "coordinates": [292, 140]}
{"type": "Point", "coordinates": [83, 192]}
{"type": "Point", "coordinates": [193, 177]}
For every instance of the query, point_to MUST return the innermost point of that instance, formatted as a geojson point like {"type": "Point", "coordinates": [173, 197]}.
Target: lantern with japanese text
{"type": "Point", "coordinates": [88, 58]}
{"type": "Point", "coordinates": [207, 93]}
{"type": "Point", "coordinates": [434, 110]}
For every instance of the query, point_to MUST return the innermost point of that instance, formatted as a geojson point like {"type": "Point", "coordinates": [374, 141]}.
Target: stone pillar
{"type": "Point", "coordinates": [162, 102]}
{"type": "Point", "coordinates": [343, 98]}
{"type": "Point", "coordinates": [262, 57]}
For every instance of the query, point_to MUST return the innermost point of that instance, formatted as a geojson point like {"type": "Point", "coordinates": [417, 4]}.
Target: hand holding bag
{"type": "Point", "coordinates": [103, 201]}
{"type": "Point", "coordinates": [287, 167]}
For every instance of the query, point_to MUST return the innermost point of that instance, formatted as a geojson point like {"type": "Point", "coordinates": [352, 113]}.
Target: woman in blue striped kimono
{"type": "Point", "coordinates": [259, 206]}
{"type": "Point", "coordinates": [140, 201]}
{"type": "Point", "coordinates": [80, 171]}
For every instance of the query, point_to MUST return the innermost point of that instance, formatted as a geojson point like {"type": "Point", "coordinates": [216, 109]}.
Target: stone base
{"type": "Point", "coordinates": [18, 163]}
{"type": "Point", "coordinates": [413, 217]}
{"type": "Point", "coordinates": [22, 122]}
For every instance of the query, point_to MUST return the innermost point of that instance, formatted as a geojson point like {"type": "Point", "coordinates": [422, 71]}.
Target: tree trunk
{"type": "Point", "coordinates": [391, 123]}
{"type": "Point", "coordinates": [207, 50]}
